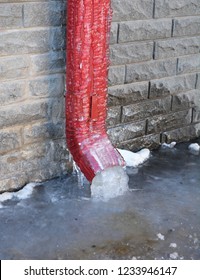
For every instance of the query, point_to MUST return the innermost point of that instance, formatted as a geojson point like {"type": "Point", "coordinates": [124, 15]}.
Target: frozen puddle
{"type": "Point", "coordinates": [109, 183]}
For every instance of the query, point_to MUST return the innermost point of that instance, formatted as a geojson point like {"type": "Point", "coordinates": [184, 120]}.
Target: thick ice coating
{"type": "Point", "coordinates": [110, 183]}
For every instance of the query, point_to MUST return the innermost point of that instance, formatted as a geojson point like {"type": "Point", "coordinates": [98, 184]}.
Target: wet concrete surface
{"type": "Point", "coordinates": [159, 218]}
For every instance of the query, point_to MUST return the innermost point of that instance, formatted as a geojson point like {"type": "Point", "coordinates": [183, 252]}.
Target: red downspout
{"type": "Point", "coordinates": [88, 28]}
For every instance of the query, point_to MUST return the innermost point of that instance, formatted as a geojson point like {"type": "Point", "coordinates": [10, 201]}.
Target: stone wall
{"type": "Point", "coordinates": [154, 81]}
{"type": "Point", "coordinates": [154, 78]}
{"type": "Point", "coordinates": [32, 86]}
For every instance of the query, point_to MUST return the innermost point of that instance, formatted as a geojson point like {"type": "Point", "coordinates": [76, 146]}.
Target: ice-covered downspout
{"type": "Point", "coordinates": [88, 28]}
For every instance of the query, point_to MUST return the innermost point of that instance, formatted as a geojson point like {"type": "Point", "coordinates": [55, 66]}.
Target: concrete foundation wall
{"type": "Point", "coordinates": [154, 81]}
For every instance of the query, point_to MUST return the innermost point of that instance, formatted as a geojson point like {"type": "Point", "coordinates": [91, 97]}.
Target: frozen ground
{"type": "Point", "coordinates": [158, 218]}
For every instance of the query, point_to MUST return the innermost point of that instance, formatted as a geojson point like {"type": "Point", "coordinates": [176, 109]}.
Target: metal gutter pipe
{"type": "Point", "coordinates": [88, 29]}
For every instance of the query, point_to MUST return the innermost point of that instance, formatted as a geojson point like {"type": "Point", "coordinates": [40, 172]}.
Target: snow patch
{"type": "Point", "coordinates": [173, 245]}
{"type": "Point", "coordinates": [161, 236]}
{"type": "Point", "coordinates": [194, 148]}
{"type": "Point", "coordinates": [134, 258]}
{"type": "Point", "coordinates": [21, 194]}
{"type": "Point", "coordinates": [26, 191]}
{"type": "Point", "coordinates": [170, 145]}
{"type": "Point", "coordinates": [173, 256]}
{"type": "Point", "coordinates": [196, 240]}
{"type": "Point", "coordinates": [6, 196]}
{"type": "Point", "coordinates": [134, 159]}
{"type": "Point", "coordinates": [109, 183]}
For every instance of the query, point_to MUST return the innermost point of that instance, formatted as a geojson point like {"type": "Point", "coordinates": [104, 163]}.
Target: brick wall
{"type": "Point", "coordinates": [154, 81]}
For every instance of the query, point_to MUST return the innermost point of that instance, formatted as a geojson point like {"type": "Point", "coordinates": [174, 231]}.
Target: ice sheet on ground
{"type": "Point", "coordinates": [134, 159]}
{"type": "Point", "coordinates": [194, 148]}
{"type": "Point", "coordinates": [170, 145]}
{"type": "Point", "coordinates": [109, 183]}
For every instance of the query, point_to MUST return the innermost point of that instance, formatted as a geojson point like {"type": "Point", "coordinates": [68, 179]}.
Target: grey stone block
{"type": "Point", "coordinates": [10, 15]}
{"type": "Point", "coordinates": [170, 121]}
{"type": "Point", "coordinates": [41, 131]}
{"type": "Point", "coordinates": [188, 26]}
{"type": "Point", "coordinates": [48, 63]}
{"type": "Point", "coordinates": [127, 94]}
{"type": "Point", "coordinates": [56, 109]}
{"type": "Point", "coordinates": [35, 158]}
{"type": "Point", "coordinates": [14, 67]}
{"type": "Point", "coordinates": [113, 33]}
{"type": "Point", "coordinates": [37, 155]}
{"type": "Point", "coordinates": [172, 85]}
{"type": "Point", "coordinates": [176, 47]}
{"type": "Point", "coordinates": [12, 92]}
{"type": "Point", "coordinates": [48, 156]}
{"type": "Point", "coordinates": [55, 168]}
{"type": "Point", "coordinates": [48, 172]}
{"type": "Point", "coordinates": [49, 86]}
{"type": "Point", "coordinates": [150, 70]}
{"type": "Point", "coordinates": [26, 112]}
{"type": "Point", "coordinates": [116, 75]}
{"type": "Point", "coordinates": [182, 134]}
{"type": "Point", "coordinates": [31, 41]}
{"type": "Point", "coordinates": [132, 10]}
{"type": "Point", "coordinates": [185, 100]}
{"type": "Point", "coordinates": [146, 109]}
{"type": "Point", "coordinates": [10, 164]}
{"type": "Point", "coordinates": [188, 64]}
{"type": "Point", "coordinates": [61, 153]}
{"type": "Point", "coordinates": [58, 41]}
{"type": "Point", "coordinates": [129, 53]}
{"type": "Point", "coordinates": [14, 183]}
{"type": "Point", "coordinates": [10, 139]}
{"type": "Point", "coordinates": [144, 30]}
{"type": "Point", "coordinates": [126, 132]}
{"type": "Point", "coordinates": [44, 14]}
{"type": "Point", "coordinates": [171, 8]}
{"type": "Point", "coordinates": [113, 116]}
{"type": "Point", "coordinates": [148, 141]}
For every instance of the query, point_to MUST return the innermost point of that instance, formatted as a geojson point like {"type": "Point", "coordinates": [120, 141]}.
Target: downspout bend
{"type": "Point", "coordinates": [88, 28]}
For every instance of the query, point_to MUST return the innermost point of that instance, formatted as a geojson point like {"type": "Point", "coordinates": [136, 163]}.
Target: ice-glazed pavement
{"type": "Point", "coordinates": [157, 218]}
